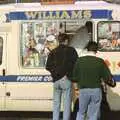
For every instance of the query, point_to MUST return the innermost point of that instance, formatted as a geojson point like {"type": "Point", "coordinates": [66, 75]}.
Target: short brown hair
{"type": "Point", "coordinates": [92, 46]}
{"type": "Point", "coordinates": [62, 37]}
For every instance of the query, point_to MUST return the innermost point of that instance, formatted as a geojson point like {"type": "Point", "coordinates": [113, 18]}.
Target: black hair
{"type": "Point", "coordinates": [89, 26]}
{"type": "Point", "coordinates": [92, 46]}
{"type": "Point", "coordinates": [62, 37]}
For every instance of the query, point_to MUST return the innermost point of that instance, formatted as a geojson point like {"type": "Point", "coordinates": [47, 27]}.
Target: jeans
{"type": "Point", "coordinates": [62, 87]}
{"type": "Point", "coordinates": [89, 104]}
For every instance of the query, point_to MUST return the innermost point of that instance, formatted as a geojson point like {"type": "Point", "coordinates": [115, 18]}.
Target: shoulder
{"type": "Point", "coordinates": [52, 52]}
{"type": "Point", "coordinates": [71, 48]}
{"type": "Point", "coordinates": [100, 59]}
{"type": "Point", "coordinates": [73, 51]}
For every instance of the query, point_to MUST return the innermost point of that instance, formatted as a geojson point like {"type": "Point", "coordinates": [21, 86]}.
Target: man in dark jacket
{"type": "Point", "coordinates": [60, 63]}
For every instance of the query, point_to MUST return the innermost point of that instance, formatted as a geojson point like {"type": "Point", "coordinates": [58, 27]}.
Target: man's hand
{"type": "Point", "coordinates": [111, 82]}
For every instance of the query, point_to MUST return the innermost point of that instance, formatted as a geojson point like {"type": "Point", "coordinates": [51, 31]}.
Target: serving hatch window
{"type": "Point", "coordinates": [39, 38]}
{"type": "Point", "coordinates": [109, 35]}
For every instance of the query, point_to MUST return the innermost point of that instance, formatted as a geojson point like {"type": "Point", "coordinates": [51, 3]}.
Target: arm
{"type": "Point", "coordinates": [110, 82]}
{"type": "Point", "coordinates": [107, 76]}
{"type": "Point", "coordinates": [71, 61]}
{"type": "Point", "coordinates": [49, 63]}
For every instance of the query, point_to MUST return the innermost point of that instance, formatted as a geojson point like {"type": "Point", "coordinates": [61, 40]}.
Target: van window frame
{"type": "Point", "coordinates": [1, 49]}
{"type": "Point", "coordinates": [106, 44]}
{"type": "Point", "coordinates": [64, 22]}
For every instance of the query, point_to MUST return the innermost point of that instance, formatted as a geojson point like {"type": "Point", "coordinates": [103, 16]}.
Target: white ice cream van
{"type": "Point", "coordinates": [25, 84]}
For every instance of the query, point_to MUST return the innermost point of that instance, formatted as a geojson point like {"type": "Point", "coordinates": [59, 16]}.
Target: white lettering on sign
{"type": "Point", "coordinates": [34, 78]}
{"type": "Point", "coordinates": [59, 14]}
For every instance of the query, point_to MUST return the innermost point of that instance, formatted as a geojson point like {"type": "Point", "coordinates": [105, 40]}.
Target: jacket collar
{"type": "Point", "coordinates": [87, 53]}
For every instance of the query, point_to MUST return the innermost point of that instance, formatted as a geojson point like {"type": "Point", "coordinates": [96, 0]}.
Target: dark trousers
{"type": "Point", "coordinates": [105, 109]}
{"type": "Point", "coordinates": [75, 110]}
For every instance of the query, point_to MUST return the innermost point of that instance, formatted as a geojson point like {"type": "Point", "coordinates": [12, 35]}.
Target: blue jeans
{"type": "Point", "coordinates": [63, 88]}
{"type": "Point", "coordinates": [89, 104]}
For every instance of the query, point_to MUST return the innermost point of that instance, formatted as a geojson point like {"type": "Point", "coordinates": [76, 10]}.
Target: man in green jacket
{"type": "Point", "coordinates": [88, 72]}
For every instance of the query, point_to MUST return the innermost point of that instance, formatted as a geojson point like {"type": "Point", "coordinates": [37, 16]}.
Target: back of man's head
{"type": "Point", "coordinates": [63, 38]}
{"type": "Point", "coordinates": [92, 46]}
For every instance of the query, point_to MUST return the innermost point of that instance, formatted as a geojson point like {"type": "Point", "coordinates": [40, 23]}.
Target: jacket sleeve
{"type": "Point", "coordinates": [107, 76]}
{"type": "Point", "coordinates": [75, 73]}
{"type": "Point", "coordinates": [71, 62]}
{"type": "Point", "coordinates": [49, 63]}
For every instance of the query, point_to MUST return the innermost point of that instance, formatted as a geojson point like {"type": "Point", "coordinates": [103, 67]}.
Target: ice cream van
{"type": "Point", "coordinates": [25, 84]}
